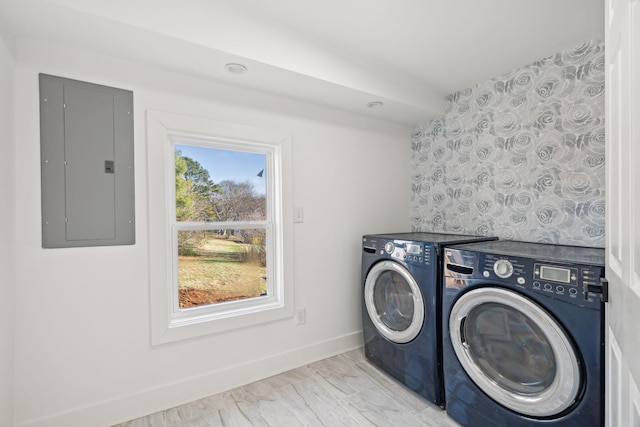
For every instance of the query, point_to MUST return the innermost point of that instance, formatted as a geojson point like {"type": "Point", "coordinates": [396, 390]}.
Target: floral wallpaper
{"type": "Point", "coordinates": [520, 156]}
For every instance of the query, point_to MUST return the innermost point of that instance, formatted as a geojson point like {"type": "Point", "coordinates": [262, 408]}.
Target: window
{"type": "Point", "coordinates": [223, 222]}
{"type": "Point", "coordinates": [219, 226]}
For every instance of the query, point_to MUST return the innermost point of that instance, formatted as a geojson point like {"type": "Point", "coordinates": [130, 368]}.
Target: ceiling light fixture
{"type": "Point", "coordinates": [375, 104]}
{"type": "Point", "coordinates": [235, 68]}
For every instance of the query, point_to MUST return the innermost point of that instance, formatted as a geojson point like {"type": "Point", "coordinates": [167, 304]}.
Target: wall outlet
{"type": "Point", "coordinates": [301, 316]}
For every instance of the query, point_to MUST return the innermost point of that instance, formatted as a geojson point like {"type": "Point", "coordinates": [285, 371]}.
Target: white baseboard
{"type": "Point", "coordinates": [145, 402]}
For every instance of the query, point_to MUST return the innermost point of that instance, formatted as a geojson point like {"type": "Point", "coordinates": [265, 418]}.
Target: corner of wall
{"type": "Point", "coordinates": [7, 233]}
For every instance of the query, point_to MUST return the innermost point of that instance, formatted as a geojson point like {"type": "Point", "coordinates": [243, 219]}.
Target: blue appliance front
{"type": "Point", "coordinates": [403, 342]}
{"type": "Point", "coordinates": [401, 317]}
{"type": "Point", "coordinates": [523, 335]}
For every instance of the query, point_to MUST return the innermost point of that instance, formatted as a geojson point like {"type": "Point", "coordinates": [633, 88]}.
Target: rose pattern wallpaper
{"type": "Point", "coordinates": [520, 156]}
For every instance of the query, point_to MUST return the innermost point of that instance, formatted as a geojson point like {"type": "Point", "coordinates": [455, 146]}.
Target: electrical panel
{"type": "Point", "coordinates": [87, 164]}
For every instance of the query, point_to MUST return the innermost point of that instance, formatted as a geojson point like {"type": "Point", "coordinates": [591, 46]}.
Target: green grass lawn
{"type": "Point", "coordinates": [220, 270]}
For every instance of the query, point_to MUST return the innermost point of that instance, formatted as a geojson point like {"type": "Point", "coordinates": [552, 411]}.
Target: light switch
{"type": "Point", "coordinates": [298, 214]}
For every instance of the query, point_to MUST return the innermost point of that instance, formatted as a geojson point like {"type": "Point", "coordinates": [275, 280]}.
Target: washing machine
{"type": "Point", "coordinates": [523, 334]}
{"type": "Point", "coordinates": [401, 318]}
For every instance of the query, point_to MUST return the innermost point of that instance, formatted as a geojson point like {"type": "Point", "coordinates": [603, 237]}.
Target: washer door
{"type": "Point", "coordinates": [515, 352]}
{"type": "Point", "coordinates": [394, 301]}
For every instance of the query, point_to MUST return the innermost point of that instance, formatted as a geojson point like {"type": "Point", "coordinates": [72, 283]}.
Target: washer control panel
{"type": "Point", "coordinates": [572, 282]}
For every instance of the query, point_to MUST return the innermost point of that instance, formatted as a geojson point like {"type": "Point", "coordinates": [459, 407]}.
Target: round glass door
{"type": "Point", "coordinates": [515, 352]}
{"type": "Point", "coordinates": [394, 301]}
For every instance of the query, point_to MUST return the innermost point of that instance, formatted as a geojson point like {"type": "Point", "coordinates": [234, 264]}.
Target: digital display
{"type": "Point", "coordinates": [556, 274]}
{"type": "Point", "coordinates": [413, 249]}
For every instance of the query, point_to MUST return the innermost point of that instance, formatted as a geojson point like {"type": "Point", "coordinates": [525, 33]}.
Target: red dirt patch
{"type": "Point", "coordinates": [197, 297]}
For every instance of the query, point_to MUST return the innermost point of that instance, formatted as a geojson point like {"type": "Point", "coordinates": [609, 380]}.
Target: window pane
{"type": "Point", "coordinates": [219, 185]}
{"type": "Point", "coordinates": [221, 265]}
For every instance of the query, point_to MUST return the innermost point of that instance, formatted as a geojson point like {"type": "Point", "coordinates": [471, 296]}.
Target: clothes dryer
{"type": "Point", "coordinates": [401, 275]}
{"type": "Point", "coordinates": [523, 334]}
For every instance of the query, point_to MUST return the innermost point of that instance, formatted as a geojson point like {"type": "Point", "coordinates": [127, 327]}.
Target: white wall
{"type": "Point", "coordinates": [83, 353]}
{"type": "Point", "coordinates": [7, 232]}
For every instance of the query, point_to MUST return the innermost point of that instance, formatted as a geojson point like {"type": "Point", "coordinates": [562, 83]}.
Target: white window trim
{"type": "Point", "coordinates": [167, 323]}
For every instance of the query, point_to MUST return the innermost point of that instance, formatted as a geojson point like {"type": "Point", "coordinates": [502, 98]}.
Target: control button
{"type": "Point", "coordinates": [503, 268]}
{"type": "Point", "coordinates": [486, 273]}
{"type": "Point", "coordinates": [573, 291]}
{"type": "Point", "coordinates": [560, 289]}
{"type": "Point", "coordinates": [536, 285]}
{"type": "Point", "coordinates": [547, 287]}
{"type": "Point", "coordinates": [520, 280]}
{"type": "Point", "coordinates": [573, 278]}
{"type": "Point", "coordinates": [389, 247]}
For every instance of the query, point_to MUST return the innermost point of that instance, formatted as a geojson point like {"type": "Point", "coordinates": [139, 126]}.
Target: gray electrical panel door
{"type": "Point", "coordinates": [86, 146]}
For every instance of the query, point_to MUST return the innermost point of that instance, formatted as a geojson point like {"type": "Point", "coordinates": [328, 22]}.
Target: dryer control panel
{"type": "Point", "coordinates": [405, 251]}
{"type": "Point", "coordinates": [409, 252]}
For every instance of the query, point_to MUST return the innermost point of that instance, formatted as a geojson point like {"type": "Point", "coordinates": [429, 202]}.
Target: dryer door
{"type": "Point", "coordinates": [515, 352]}
{"type": "Point", "coordinates": [394, 301]}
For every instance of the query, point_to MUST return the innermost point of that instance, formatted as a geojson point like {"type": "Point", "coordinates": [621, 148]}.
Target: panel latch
{"type": "Point", "coordinates": [602, 289]}
{"type": "Point", "coordinates": [109, 166]}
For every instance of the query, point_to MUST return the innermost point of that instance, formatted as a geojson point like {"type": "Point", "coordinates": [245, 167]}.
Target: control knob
{"type": "Point", "coordinates": [503, 268]}
{"type": "Point", "coordinates": [389, 247]}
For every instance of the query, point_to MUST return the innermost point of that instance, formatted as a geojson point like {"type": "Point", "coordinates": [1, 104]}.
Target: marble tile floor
{"type": "Point", "coordinates": [345, 390]}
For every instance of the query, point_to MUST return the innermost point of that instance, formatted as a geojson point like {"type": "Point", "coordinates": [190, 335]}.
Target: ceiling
{"type": "Point", "coordinates": [408, 54]}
